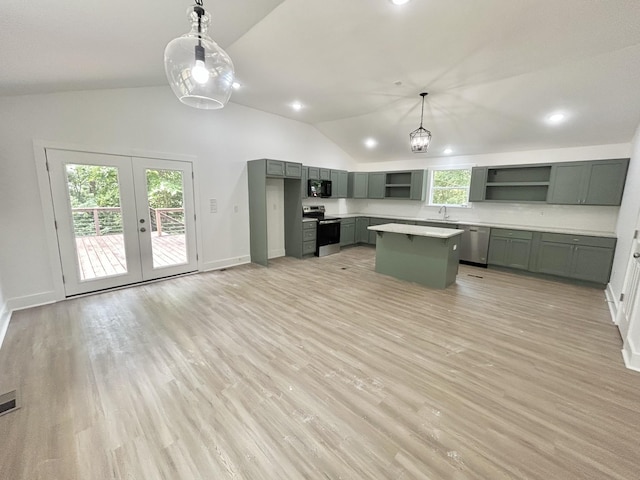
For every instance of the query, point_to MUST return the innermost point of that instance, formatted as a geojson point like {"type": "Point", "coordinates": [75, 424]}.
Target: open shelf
{"type": "Point", "coordinates": [397, 191]}
{"type": "Point", "coordinates": [519, 175]}
{"type": "Point", "coordinates": [519, 193]}
{"type": "Point", "coordinates": [517, 184]}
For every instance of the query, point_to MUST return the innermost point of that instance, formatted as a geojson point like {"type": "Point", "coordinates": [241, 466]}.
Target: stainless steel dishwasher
{"type": "Point", "coordinates": [474, 246]}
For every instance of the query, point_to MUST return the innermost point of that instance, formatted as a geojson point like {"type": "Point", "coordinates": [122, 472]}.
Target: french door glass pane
{"type": "Point", "coordinates": [94, 194]}
{"type": "Point", "coordinates": [165, 193]}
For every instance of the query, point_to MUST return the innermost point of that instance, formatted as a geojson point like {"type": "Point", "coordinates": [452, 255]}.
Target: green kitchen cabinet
{"type": "Point", "coordinates": [588, 183]}
{"type": "Point", "coordinates": [275, 168]}
{"type": "Point", "coordinates": [314, 173]}
{"type": "Point", "coordinates": [362, 234]}
{"type": "Point", "coordinates": [339, 183]}
{"type": "Point", "coordinates": [373, 222]}
{"type": "Point", "coordinates": [280, 168]}
{"type": "Point", "coordinates": [418, 189]}
{"type": "Point", "coordinates": [358, 185]}
{"type": "Point", "coordinates": [510, 248]}
{"type": "Point", "coordinates": [576, 256]}
{"type": "Point", "coordinates": [478, 181]}
{"type": "Point", "coordinates": [304, 182]}
{"type": "Point", "coordinates": [309, 232]}
{"type": "Point", "coordinates": [377, 184]}
{"type": "Point", "coordinates": [347, 232]}
{"type": "Point", "coordinates": [325, 174]}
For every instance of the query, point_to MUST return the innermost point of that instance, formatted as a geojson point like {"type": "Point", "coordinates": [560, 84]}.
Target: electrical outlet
{"type": "Point", "coordinates": [213, 205]}
{"type": "Point", "coordinates": [235, 209]}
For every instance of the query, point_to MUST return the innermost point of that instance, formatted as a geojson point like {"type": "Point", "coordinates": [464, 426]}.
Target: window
{"type": "Point", "coordinates": [450, 187]}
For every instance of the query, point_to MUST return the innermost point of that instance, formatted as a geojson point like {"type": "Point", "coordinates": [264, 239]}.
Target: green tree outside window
{"type": "Point", "coordinates": [450, 187]}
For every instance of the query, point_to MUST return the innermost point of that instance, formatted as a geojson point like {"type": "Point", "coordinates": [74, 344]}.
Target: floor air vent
{"type": "Point", "coordinates": [8, 402]}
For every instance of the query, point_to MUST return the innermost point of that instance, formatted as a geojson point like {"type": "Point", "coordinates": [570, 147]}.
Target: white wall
{"type": "Point", "coordinates": [629, 210]}
{"type": "Point", "coordinates": [596, 219]}
{"type": "Point", "coordinates": [4, 314]}
{"type": "Point", "coordinates": [148, 120]}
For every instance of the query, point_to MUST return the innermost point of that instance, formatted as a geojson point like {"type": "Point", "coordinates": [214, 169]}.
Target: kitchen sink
{"type": "Point", "coordinates": [448, 220]}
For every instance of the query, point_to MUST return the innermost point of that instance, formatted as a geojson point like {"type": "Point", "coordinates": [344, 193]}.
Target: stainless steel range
{"type": "Point", "coordinates": [328, 234]}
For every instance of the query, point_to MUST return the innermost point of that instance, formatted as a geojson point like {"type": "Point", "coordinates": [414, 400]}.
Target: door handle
{"type": "Point", "coordinates": [143, 229]}
{"type": "Point", "coordinates": [636, 255]}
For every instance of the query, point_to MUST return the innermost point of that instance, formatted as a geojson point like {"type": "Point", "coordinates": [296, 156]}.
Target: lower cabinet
{"type": "Point", "coordinates": [373, 222]}
{"type": "Point", "coordinates": [510, 248]}
{"type": "Point", "coordinates": [309, 231]}
{"type": "Point", "coordinates": [347, 232]}
{"type": "Point", "coordinates": [576, 256]}
{"type": "Point", "coordinates": [362, 232]}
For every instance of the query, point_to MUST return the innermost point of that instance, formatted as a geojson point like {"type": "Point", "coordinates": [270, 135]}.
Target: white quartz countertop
{"type": "Point", "coordinates": [530, 228]}
{"type": "Point", "coordinates": [416, 230]}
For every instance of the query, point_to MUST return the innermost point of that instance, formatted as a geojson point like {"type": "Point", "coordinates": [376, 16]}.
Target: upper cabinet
{"type": "Point", "coordinates": [598, 182]}
{"type": "Point", "coordinates": [406, 185]}
{"type": "Point", "coordinates": [358, 185]}
{"type": "Point", "coordinates": [588, 183]}
{"type": "Point", "coordinates": [280, 168]}
{"type": "Point", "coordinates": [376, 184]}
{"type": "Point", "coordinates": [339, 183]}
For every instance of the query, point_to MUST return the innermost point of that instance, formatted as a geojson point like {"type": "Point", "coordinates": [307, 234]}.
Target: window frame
{"type": "Point", "coordinates": [433, 188]}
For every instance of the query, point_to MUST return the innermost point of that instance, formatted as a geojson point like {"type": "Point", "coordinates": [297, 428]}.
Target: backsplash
{"type": "Point", "coordinates": [599, 219]}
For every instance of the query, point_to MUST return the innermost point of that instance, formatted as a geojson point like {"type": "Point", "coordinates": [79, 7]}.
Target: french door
{"type": "Point", "coordinates": [121, 220]}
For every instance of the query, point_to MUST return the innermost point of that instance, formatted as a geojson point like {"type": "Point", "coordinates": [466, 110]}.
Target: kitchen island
{"type": "Point", "coordinates": [425, 255]}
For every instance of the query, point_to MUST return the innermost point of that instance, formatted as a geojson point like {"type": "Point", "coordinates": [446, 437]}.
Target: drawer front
{"type": "Point", "coordinates": [275, 168]}
{"type": "Point", "coordinates": [308, 247]}
{"type": "Point", "coordinates": [309, 225]}
{"type": "Point", "coordinates": [579, 240]}
{"type": "Point", "coordinates": [293, 170]}
{"type": "Point", "coordinates": [502, 232]}
{"type": "Point", "coordinates": [348, 221]}
{"type": "Point", "coordinates": [308, 235]}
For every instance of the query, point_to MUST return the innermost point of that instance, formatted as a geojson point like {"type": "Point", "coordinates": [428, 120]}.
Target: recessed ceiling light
{"type": "Point", "coordinates": [448, 150]}
{"type": "Point", "coordinates": [370, 142]}
{"type": "Point", "coordinates": [399, 2]}
{"type": "Point", "coordinates": [236, 85]}
{"type": "Point", "coordinates": [555, 118]}
{"type": "Point", "coordinates": [297, 106]}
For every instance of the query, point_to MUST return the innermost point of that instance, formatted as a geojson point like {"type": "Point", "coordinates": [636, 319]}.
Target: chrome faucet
{"type": "Point", "coordinates": [444, 216]}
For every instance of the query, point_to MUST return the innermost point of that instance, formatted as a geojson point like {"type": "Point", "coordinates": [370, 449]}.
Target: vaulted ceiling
{"type": "Point", "coordinates": [494, 69]}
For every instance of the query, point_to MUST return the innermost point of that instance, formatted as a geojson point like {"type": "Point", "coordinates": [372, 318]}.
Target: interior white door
{"type": "Point", "coordinates": [121, 220]}
{"type": "Point", "coordinates": [629, 311]}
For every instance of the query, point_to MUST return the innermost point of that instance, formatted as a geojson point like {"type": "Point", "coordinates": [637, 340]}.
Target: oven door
{"type": "Point", "coordinates": [328, 237]}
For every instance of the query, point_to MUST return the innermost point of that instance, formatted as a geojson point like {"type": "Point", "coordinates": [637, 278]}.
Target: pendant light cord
{"type": "Point", "coordinates": [422, 112]}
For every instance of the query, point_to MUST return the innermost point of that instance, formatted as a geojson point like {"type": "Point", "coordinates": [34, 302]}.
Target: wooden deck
{"type": "Point", "coordinates": [104, 255]}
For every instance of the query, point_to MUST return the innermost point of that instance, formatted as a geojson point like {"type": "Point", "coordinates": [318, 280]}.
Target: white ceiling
{"type": "Point", "coordinates": [494, 69]}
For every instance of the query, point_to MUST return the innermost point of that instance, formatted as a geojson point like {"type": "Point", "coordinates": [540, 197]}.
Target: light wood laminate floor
{"type": "Point", "coordinates": [234, 375]}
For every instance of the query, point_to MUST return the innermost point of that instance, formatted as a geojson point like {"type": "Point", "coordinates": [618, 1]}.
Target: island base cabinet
{"type": "Point", "coordinates": [425, 260]}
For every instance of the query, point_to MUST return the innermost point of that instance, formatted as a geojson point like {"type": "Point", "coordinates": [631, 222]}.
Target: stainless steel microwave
{"type": "Point", "coordinates": [320, 188]}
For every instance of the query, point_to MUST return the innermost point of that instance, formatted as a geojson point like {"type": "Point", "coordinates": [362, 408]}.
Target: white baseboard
{"type": "Point", "coordinates": [29, 301]}
{"type": "Point", "coordinates": [5, 316]}
{"type": "Point", "coordinates": [612, 302]}
{"type": "Point", "coordinates": [276, 253]}
{"type": "Point", "coordinates": [631, 355]}
{"type": "Point", "coordinates": [226, 263]}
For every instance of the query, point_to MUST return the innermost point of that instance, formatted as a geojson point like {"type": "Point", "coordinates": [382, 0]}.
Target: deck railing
{"type": "Point", "coordinates": [97, 221]}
